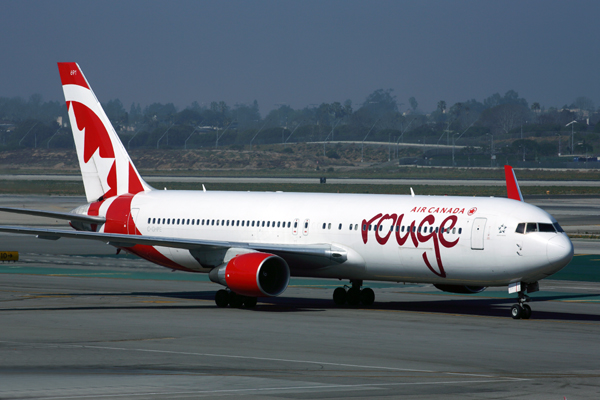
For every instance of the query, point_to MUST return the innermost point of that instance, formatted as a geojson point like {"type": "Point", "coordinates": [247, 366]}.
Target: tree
{"type": "Point", "coordinates": [413, 104]}
{"type": "Point", "coordinates": [503, 118]}
{"type": "Point", "coordinates": [441, 106]}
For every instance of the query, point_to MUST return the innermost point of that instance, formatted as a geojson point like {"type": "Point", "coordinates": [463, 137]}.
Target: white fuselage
{"type": "Point", "coordinates": [477, 245]}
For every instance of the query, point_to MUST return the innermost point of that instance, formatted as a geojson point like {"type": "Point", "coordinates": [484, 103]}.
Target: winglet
{"type": "Point", "coordinates": [512, 186]}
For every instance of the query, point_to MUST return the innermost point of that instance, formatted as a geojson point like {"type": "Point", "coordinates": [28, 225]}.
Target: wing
{"type": "Point", "coordinates": [299, 257]}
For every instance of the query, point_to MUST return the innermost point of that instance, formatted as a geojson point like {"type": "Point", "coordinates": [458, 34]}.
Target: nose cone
{"type": "Point", "coordinates": [559, 251]}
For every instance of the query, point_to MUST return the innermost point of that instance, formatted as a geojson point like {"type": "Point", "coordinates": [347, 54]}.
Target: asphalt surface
{"type": "Point", "coordinates": [80, 322]}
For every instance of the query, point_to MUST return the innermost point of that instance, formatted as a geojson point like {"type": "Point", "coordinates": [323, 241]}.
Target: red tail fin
{"type": "Point", "coordinates": [512, 186]}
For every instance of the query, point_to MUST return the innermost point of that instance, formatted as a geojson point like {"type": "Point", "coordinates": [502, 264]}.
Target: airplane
{"type": "Point", "coordinates": [253, 242]}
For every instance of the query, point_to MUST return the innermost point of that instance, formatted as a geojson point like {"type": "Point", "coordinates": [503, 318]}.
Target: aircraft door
{"type": "Point", "coordinates": [477, 233]}
{"type": "Point", "coordinates": [305, 227]}
{"type": "Point", "coordinates": [132, 220]}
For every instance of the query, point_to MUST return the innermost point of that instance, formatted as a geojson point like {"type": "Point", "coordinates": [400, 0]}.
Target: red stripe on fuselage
{"type": "Point", "coordinates": [119, 220]}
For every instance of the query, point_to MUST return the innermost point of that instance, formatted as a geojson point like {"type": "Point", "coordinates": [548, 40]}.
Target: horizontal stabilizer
{"type": "Point", "coordinates": [56, 215]}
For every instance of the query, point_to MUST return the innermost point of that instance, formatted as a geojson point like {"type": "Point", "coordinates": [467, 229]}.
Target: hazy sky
{"type": "Point", "coordinates": [304, 52]}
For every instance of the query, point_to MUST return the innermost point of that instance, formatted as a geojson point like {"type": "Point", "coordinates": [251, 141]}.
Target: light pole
{"type": "Point", "coordinates": [572, 135]}
{"type": "Point", "coordinates": [362, 145]}
{"type": "Point", "coordinates": [167, 131]}
{"type": "Point", "coordinates": [491, 148]}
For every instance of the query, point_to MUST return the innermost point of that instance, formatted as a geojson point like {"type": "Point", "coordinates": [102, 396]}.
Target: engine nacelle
{"type": "Point", "coordinates": [254, 274]}
{"type": "Point", "coordinates": [462, 289]}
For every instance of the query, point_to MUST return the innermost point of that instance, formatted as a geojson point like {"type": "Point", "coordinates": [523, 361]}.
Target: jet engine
{"type": "Point", "coordinates": [462, 289]}
{"type": "Point", "coordinates": [253, 274]}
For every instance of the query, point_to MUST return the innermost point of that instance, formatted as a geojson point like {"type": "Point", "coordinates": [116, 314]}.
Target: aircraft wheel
{"type": "Point", "coordinates": [367, 296]}
{"type": "Point", "coordinates": [235, 300]}
{"type": "Point", "coordinates": [222, 298]}
{"type": "Point", "coordinates": [516, 311]}
{"type": "Point", "coordinates": [353, 296]}
{"type": "Point", "coordinates": [339, 296]}
{"type": "Point", "coordinates": [526, 311]}
{"type": "Point", "coordinates": [250, 302]}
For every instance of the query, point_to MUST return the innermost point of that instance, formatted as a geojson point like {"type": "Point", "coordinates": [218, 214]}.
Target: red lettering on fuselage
{"type": "Point", "coordinates": [422, 232]}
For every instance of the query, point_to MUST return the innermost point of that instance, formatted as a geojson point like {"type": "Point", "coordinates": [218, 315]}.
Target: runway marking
{"type": "Point", "coordinates": [278, 360]}
{"type": "Point", "coordinates": [370, 386]}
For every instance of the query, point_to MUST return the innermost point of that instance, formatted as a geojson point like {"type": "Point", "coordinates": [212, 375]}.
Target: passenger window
{"type": "Point", "coordinates": [453, 231]}
{"type": "Point", "coordinates": [149, 220]}
{"type": "Point", "coordinates": [402, 230]}
{"type": "Point", "coordinates": [212, 222]}
{"type": "Point", "coordinates": [329, 225]}
{"type": "Point", "coordinates": [268, 224]}
{"type": "Point", "coordinates": [193, 222]}
{"type": "Point", "coordinates": [278, 224]}
{"type": "Point", "coordinates": [370, 227]}
{"type": "Point", "coordinates": [380, 228]}
{"type": "Point", "coordinates": [163, 221]}
{"type": "Point", "coordinates": [295, 224]}
{"type": "Point", "coordinates": [355, 227]}
{"type": "Point", "coordinates": [263, 224]}
{"type": "Point", "coordinates": [531, 227]}
{"type": "Point", "coordinates": [459, 230]}
{"type": "Point", "coordinates": [350, 226]}
{"type": "Point", "coordinates": [306, 225]}
{"type": "Point", "coordinates": [168, 221]}
{"type": "Point", "coordinates": [324, 225]}
{"type": "Point", "coordinates": [364, 227]}
{"type": "Point", "coordinates": [289, 224]}
{"type": "Point", "coordinates": [340, 227]}
{"type": "Point", "coordinates": [197, 222]}
{"type": "Point", "coordinates": [546, 228]}
{"type": "Point", "coordinates": [419, 229]}
{"type": "Point", "coordinates": [252, 223]}
{"type": "Point", "coordinates": [237, 223]}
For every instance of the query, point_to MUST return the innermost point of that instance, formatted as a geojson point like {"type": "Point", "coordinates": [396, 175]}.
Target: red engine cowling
{"type": "Point", "coordinates": [254, 274]}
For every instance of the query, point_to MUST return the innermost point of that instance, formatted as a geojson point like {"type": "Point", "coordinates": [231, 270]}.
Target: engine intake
{"type": "Point", "coordinates": [462, 289]}
{"type": "Point", "coordinates": [254, 274]}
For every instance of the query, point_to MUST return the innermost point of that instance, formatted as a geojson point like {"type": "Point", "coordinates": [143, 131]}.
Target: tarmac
{"type": "Point", "coordinates": [80, 322]}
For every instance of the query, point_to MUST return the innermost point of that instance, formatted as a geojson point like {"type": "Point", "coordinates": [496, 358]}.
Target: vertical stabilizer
{"type": "Point", "coordinates": [512, 186]}
{"type": "Point", "coordinates": [106, 168]}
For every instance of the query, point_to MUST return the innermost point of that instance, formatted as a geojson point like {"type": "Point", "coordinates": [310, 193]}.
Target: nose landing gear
{"type": "Point", "coordinates": [354, 295]}
{"type": "Point", "coordinates": [521, 310]}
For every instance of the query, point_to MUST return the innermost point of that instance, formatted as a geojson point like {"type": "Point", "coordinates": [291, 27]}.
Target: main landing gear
{"type": "Point", "coordinates": [521, 310]}
{"type": "Point", "coordinates": [224, 298]}
{"type": "Point", "coordinates": [354, 295]}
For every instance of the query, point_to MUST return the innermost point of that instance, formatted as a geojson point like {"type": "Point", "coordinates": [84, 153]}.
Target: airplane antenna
{"type": "Point", "coordinates": [412, 192]}
{"type": "Point", "coordinates": [203, 188]}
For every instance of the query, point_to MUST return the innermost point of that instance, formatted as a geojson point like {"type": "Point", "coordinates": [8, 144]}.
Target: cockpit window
{"type": "Point", "coordinates": [521, 228]}
{"type": "Point", "coordinates": [531, 227]}
{"type": "Point", "coordinates": [557, 227]}
{"type": "Point", "coordinates": [546, 228]}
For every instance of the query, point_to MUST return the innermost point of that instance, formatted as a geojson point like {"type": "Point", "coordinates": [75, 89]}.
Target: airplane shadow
{"type": "Point", "coordinates": [475, 306]}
